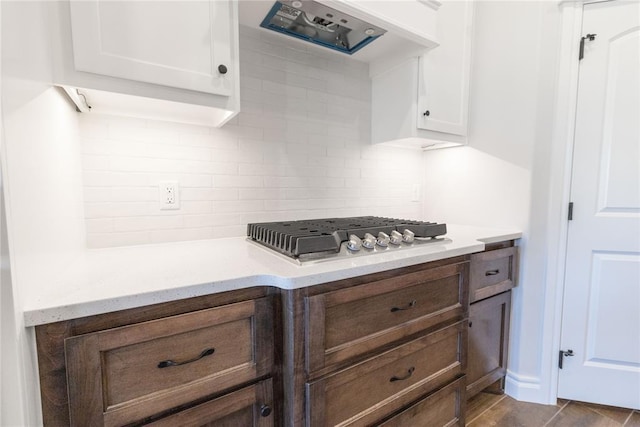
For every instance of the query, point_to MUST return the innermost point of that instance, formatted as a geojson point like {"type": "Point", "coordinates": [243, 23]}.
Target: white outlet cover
{"type": "Point", "coordinates": [169, 195]}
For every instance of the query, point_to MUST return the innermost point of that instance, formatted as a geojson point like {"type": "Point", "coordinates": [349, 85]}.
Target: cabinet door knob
{"type": "Point", "coordinates": [222, 69]}
{"type": "Point", "coordinates": [265, 410]}
{"type": "Point", "coordinates": [426, 113]}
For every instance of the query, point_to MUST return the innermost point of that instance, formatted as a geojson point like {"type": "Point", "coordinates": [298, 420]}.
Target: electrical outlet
{"type": "Point", "coordinates": [169, 195]}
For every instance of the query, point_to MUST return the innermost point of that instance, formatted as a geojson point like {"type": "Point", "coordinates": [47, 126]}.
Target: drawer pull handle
{"type": "Point", "coordinates": [409, 373]}
{"type": "Point", "coordinates": [410, 305]}
{"type": "Point", "coordinates": [167, 363]}
{"type": "Point", "coordinates": [492, 272]}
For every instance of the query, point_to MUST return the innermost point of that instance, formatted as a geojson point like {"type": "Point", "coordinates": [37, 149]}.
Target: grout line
{"type": "Point", "coordinates": [628, 418]}
{"type": "Point", "coordinates": [556, 414]}
{"type": "Point", "coordinates": [483, 412]}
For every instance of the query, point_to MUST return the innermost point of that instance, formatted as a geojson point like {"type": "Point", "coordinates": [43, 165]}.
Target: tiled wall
{"type": "Point", "coordinates": [299, 149]}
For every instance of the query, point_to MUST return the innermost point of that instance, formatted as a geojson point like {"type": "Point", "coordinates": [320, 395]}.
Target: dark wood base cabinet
{"type": "Point", "coordinates": [198, 362]}
{"type": "Point", "coordinates": [398, 348]}
{"type": "Point", "coordinates": [388, 347]}
{"type": "Point", "coordinates": [493, 274]}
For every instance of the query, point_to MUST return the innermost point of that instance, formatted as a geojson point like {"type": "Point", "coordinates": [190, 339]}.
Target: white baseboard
{"type": "Point", "coordinates": [526, 389]}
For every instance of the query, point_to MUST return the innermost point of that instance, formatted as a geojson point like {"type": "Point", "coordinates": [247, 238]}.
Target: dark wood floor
{"type": "Point", "coordinates": [487, 409]}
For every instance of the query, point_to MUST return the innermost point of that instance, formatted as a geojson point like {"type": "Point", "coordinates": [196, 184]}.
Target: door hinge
{"type": "Point", "coordinates": [561, 356]}
{"type": "Point", "coordinates": [570, 216]}
{"type": "Point", "coordinates": [589, 37]}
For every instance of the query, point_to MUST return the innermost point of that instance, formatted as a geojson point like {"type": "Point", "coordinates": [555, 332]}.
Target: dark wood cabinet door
{"type": "Point", "coordinates": [488, 341]}
{"type": "Point", "coordinates": [247, 407]}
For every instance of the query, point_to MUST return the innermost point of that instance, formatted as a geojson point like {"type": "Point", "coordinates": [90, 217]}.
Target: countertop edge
{"type": "Point", "coordinates": [34, 316]}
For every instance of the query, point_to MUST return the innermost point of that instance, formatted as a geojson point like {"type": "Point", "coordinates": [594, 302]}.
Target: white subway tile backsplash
{"type": "Point", "coordinates": [262, 193]}
{"type": "Point", "coordinates": [229, 206]}
{"type": "Point", "coordinates": [139, 223]}
{"type": "Point", "coordinates": [101, 240]}
{"type": "Point", "coordinates": [186, 180]}
{"type": "Point", "coordinates": [188, 207]}
{"type": "Point", "coordinates": [194, 194]}
{"type": "Point", "coordinates": [215, 140]}
{"type": "Point", "coordinates": [229, 231]}
{"type": "Point", "coordinates": [298, 150]}
{"type": "Point", "coordinates": [180, 234]}
{"type": "Point", "coordinates": [237, 181]}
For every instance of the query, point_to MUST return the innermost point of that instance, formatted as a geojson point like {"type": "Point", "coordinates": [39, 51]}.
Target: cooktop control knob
{"type": "Point", "coordinates": [354, 244]}
{"type": "Point", "coordinates": [408, 236]}
{"type": "Point", "coordinates": [383, 239]}
{"type": "Point", "coordinates": [369, 241]}
{"type": "Point", "coordinates": [395, 238]}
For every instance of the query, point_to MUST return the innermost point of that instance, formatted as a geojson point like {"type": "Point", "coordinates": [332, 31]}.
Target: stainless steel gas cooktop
{"type": "Point", "coordinates": [340, 237]}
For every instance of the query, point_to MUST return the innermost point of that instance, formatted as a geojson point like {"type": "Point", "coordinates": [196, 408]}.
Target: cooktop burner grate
{"type": "Point", "coordinates": [295, 238]}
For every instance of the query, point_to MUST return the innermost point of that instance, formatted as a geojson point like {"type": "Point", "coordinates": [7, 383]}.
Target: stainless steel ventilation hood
{"type": "Point", "coordinates": [320, 24]}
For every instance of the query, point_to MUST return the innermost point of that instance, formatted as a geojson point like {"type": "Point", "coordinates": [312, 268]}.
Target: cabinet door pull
{"type": "Point", "coordinates": [408, 375]}
{"type": "Point", "coordinates": [492, 272]}
{"type": "Point", "coordinates": [167, 363]}
{"type": "Point", "coordinates": [410, 305]}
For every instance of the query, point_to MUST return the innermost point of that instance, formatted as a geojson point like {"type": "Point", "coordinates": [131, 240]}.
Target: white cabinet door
{"type": "Point", "coordinates": [443, 92]}
{"type": "Point", "coordinates": [181, 44]}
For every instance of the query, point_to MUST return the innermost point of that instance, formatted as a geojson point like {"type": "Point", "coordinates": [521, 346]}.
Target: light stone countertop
{"type": "Point", "coordinates": [106, 280]}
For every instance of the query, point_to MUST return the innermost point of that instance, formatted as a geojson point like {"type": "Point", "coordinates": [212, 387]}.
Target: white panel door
{"type": "Point", "coordinates": [601, 310]}
{"type": "Point", "coordinates": [179, 44]}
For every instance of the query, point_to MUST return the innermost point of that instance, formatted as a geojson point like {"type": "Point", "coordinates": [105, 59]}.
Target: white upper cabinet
{"type": "Point", "coordinates": [443, 85]}
{"type": "Point", "coordinates": [423, 101]}
{"type": "Point", "coordinates": [179, 44]}
{"type": "Point", "coordinates": [183, 52]}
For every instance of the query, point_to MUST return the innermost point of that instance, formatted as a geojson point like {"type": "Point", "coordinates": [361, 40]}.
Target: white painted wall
{"type": "Point", "coordinates": [41, 176]}
{"type": "Point", "coordinates": [502, 177]}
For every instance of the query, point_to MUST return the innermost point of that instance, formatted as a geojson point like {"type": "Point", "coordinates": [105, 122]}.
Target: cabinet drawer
{"type": "Point", "coordinates": [379, 386]}
{"type": "Point", "coordinates": [445, 407]}
{"type": "Point", "coordinates": [349, 322]}
{"type": "Point", "coordinates": [492, 272]}
{"type": "Point", "coordinates": [121, 375]}
{"type": "Point", "coordinates": [247, 407]}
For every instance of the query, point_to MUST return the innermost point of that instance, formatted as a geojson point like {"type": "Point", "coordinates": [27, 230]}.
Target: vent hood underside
{"type": "Point", "coordinates": [320, 24]}
{"type": "Point", "coordinates": [410, 26]}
